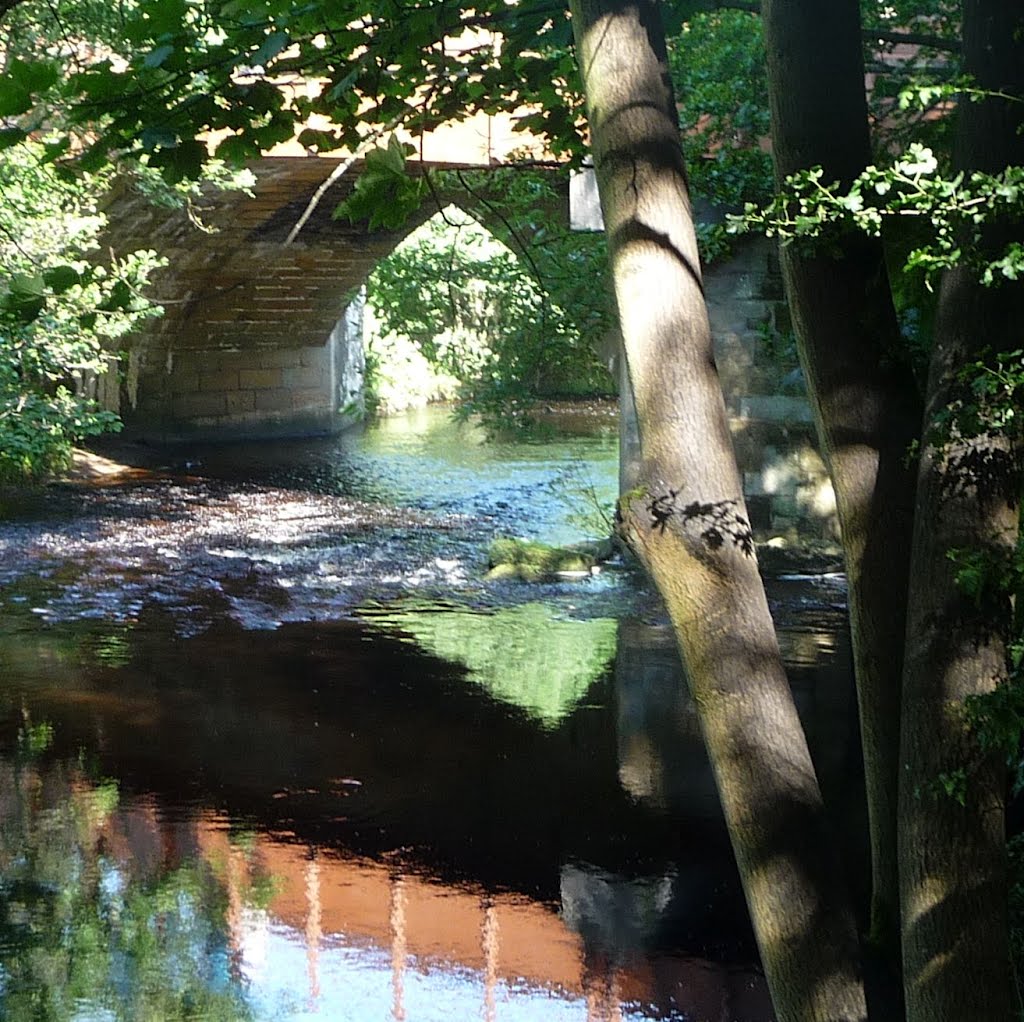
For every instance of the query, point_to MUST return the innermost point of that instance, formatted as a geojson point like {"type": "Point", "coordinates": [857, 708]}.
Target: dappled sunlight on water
{"type": "Point", "coordinates": [297, 531]}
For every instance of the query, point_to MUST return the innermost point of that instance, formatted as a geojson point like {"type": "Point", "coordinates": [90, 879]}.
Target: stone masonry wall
{"type": "Point", "coordinates": [784, 479]}
{"type": "Point", "coordinates": [285, 390]}
{"type": "Point", "coordinates": [247, 344]}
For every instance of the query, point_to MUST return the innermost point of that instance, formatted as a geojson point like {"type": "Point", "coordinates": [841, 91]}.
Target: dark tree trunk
{"type": "Point", "coordinates": [864, 397]}
{"type": "Point", "coordinates": [952, 855]}
{"type": "Point", "coordinates": [687, 522]}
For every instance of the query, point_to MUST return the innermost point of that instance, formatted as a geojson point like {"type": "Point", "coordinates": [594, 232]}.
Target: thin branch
{"type": "Point", "coordinates": [335, 175]}
{"type": "Point", "coordinates": [14, 240]}
{"type": "Point", "coordinates": [338, 171]}
{"type": "Point", "coordinates": [425, 176]}
{"type": "Point", "coordinates": [519, 240]}
{"type": "Point", "coordinates": [932, 42]}
{"type": "Point", "coordinates": [72, 49]}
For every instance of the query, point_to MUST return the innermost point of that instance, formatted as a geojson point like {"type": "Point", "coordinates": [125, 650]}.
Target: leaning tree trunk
{"type": "Point", "coordinates": [952, 851]}
{"type": "Point", "coordinates": [865, 399]}
{"type": "Point", "coordinates": [687, 522]}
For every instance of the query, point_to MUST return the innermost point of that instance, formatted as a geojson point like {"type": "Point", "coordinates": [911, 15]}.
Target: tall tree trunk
{"type": "Point", "coordinates": [952, 855]}
{"type": "Point", "coordinates": [687, 522]}
{"type": "Point", "coordinates": [865, 400]}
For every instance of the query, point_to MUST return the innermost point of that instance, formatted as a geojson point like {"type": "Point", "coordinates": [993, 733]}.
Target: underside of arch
{"type": "Point", "coordinates": [254, 340]}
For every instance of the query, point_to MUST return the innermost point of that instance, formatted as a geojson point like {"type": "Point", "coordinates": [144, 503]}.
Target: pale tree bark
{"type": "Point", "coordinates": [952, 855]}
{"type": "Point", "coordinates": [687, 522]}
{"type": "Point", "coordinates": [865, 400]}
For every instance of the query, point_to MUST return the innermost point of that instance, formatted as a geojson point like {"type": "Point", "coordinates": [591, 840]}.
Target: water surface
{"type": "Point", "coordinates": [273, 748]}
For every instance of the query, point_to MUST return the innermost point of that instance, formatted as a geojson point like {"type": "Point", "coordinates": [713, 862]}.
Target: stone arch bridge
{"type": "Point", "coordinates": [258, 337]}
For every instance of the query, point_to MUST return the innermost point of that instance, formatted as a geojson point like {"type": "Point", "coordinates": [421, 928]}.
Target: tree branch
{"type": "Point", "coordinates": [933, 42]}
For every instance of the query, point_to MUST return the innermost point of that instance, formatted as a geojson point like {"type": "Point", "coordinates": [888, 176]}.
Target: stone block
{"type": "Point", "coordinates": [183, 382]}
{"type": "Point", "coordinates": [187, 406]}
{"type": "Point", "coordinates": [219, 379]}
{"type": "Point", "coordinates": [259, 379]}
{"type": "Point", "coordinates": [279, 400]}
{"type": "Point", "coordinates": [314, 356]}
{"type": "Point", "coordinates": [221, 315]}
{"type": "Point", "coordinates": [278, 358]}
{"type": "Point", "coordinates": [230, 360]}
{"type": "Point", "coordinates": [309, 398]}
{"type": "Point", "coordinates": [240, 401]}
{"type": "Point", "coordinates": [776, 408]}
{"type": "Point", "coordinates": [306, 377]}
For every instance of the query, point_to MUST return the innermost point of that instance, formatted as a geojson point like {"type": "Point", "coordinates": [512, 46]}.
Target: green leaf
{"type": "Point", "coordinates": [99, 82]}
{"type": "Point", "coordinates": [324, 141]}
{"type": "Point", "coordinates": [61, 278]}
{"type": "Point", "coordinates": [55, 150]}
{"type": "Point", "coordinates": [34, 76]}
{"type": "Point", "coordinates": [345, 85]}
{"type": "Point", "coordinates": [156, 57]}
{"type": "Point", "coordinates": [120, 297]}
{"type": "Point", "coordinates": [14, 98]}
{"type": "Point", "coordinates": [272, 46]}
{"type": "Point", "coordinates": [11, 137]}
{"type": "Point", "coordinates": [158, 136]}
{"type": "Point", "coordinates": [27, 285]}
{"type": "Point", "coordinates": [388, 159]}
{"type": "Point", "coordinates": [236, 150]}
{"type": "Point", "coordinates": [164, 17]}
{"type": "Point", "coordinates": [183, 161]}
{"type": "Point", "coordinates": [26, 296]}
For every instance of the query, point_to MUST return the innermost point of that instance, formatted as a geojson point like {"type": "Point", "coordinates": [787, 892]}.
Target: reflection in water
{"type": "Point", "coordinates": [398, 948]}
{"type": "Point", "coordinates": [527, 656]}
{"type": "Point", "coordinates": [327, 823]}
{"type": "Point", "coordinates": [314, 930]}
{"type": "Point", "coordinates": [242, 777]}
{"type": "Point", "coordinates": [105, 913]}
{"type": "Point", "coordinates": [489, 935]}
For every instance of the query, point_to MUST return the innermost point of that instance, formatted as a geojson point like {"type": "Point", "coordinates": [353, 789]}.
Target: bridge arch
{"type": "Point", "coordinates": [255, 340]}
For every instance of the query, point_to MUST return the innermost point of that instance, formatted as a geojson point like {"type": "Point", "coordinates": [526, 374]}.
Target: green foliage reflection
{"type": "Point", "coordinates": [85, 934]}
{"type": "Point", "coordinates": [523, 655]}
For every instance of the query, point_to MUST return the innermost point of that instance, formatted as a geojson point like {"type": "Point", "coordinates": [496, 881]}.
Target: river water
{"type": "Point", "coordinates": [273, 747]}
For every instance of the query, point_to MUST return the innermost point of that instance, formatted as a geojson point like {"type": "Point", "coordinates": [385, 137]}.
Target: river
{"type": "Point", "coordinates": [273, 747]}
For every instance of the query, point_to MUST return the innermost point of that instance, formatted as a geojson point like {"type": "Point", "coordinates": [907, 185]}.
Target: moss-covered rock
{"type": "Point", "coordinates": [531, 561]}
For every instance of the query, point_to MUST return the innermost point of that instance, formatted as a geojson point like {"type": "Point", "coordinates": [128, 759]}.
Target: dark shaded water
{"type": "Point", "coordinates": [272, 748]}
